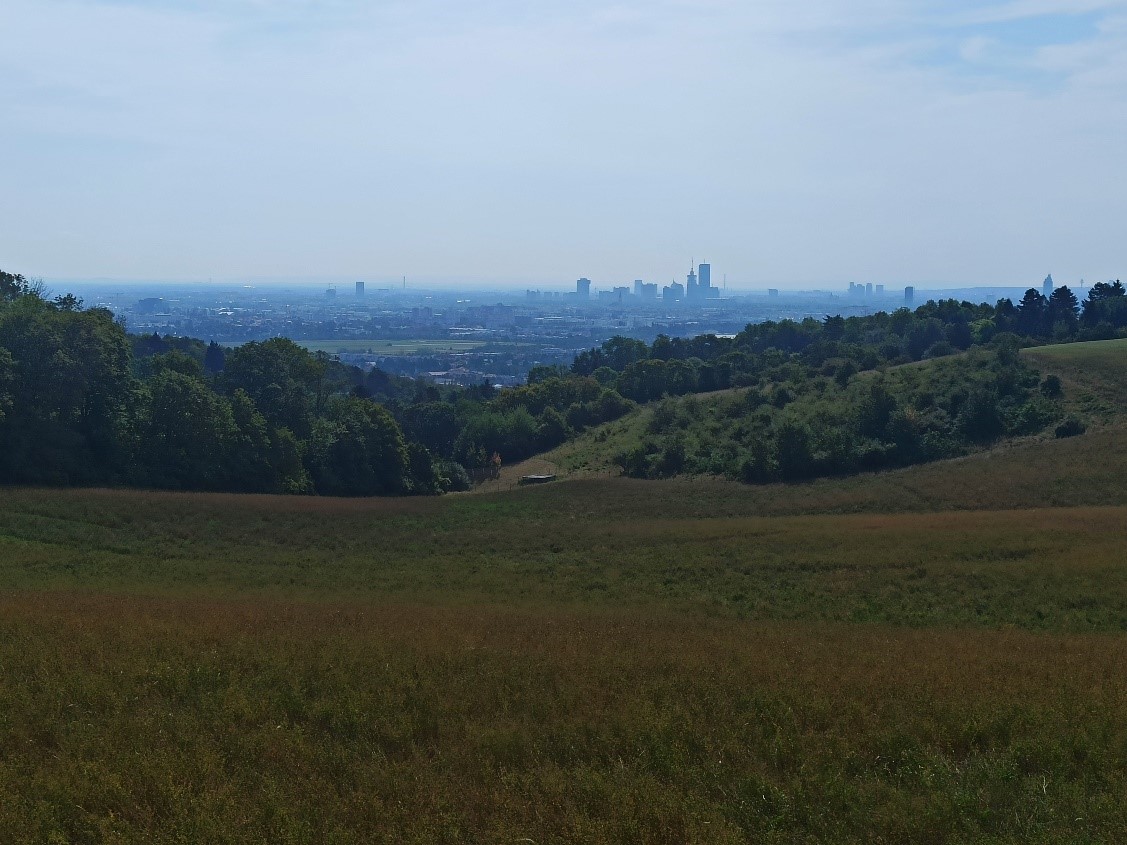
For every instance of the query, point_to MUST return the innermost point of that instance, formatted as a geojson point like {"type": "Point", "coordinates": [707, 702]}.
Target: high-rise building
{"type": "Point", "coordinates": [691, 285]}
{"type": "Point", "coordinates": [638, 285]}
{"type": "Point", "coordinates": [583, 288]}
{"type": "Point", "coordinates": [909, 295]}
{"type": "Point", "coordinates": [359, 288]}
{"type": "Point", "coordinates": [868, 289]}
{"type": "Point", "coordinates": [772, 292]}
{"type": "Point", "coordinates": [880, 290]}
{"type": "Point", "coordinates": [1047, 286]}
{"type": "Point", "coordinates": [704, 275]}
{"type": "Point", "coordinates": [673, 293]}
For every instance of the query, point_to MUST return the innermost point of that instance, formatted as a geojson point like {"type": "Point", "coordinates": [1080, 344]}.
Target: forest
{"type": "Point", "coordinates": [82, 402]}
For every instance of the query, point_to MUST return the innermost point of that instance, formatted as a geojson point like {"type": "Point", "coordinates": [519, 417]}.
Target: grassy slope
{"type": "Point", "coordinates": [1094, 376]}
{"type": "Point", "coordinates": [909, 656]}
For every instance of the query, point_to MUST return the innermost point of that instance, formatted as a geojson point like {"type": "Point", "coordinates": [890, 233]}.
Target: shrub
{"type": "Point", "coordinates": [1071, 427]}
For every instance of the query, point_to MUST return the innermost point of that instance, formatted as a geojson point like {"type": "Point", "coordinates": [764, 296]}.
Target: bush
{"type": "Point", "coordinates": [1051, 387]}
{"type": "Point", "coordinates": [453, 476]}
{"type": "Point", "coordinates": [1071, 427]}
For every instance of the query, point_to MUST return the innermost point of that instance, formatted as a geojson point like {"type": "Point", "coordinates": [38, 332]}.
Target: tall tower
{"type": "Point", "coordinates": [359, 288]}
{"type": "Point", "coordinates": [691, 284]}
{"type": "Point", "coordinates": [583, 288]}
{"type": "Point", "coordinates": [909, 295]}
{"type": "Point", "coordinates": [705, 276]}
{"type": "Point", "coordinates": [1047, 286]}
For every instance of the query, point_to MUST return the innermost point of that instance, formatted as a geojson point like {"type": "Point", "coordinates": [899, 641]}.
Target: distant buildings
{"type": "Point", "coordinates": [1047, 286]}
{"type": "Point", "coordinates": [359, 288]}
{"type": "Point", "coordinates": [909, 295]}
{"type": "Point", "coordinates": [697, 288]}
{"type": "Point", "coordinates": [868, 289]}
{"type": "Point", "coordinates": [773, 292]}
{"type": "Point", "coordinates": [615, 295]}
{"type": "Point", "coordinates": [699, 285]}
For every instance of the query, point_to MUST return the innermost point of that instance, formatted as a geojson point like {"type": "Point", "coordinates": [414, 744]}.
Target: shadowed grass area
{"type": "Point", "coordinates": [140, 719]}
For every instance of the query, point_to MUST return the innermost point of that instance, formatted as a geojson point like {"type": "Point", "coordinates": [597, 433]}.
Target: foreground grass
{"type": "Point", "coordinates": [137, 719]}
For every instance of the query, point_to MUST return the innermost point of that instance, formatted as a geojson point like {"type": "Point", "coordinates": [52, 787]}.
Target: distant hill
{"type": "Point", "coordinates": [1031, 470]}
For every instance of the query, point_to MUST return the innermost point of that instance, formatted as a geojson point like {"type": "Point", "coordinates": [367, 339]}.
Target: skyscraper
{"type": "Point", "coordinates": [359, 288]}
{"type": "Point", "coordinates": [691, 284]}
{"type": "Point", "coordinates": [909, 295]}
{"type": "Point", "coordinates": [705, 276]}
{"type": "Point", "coordinates": [1047, 286]}
{"type": "Point", "coordinates": [583, 288]}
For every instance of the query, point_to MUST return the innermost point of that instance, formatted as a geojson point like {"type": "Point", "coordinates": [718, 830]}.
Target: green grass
{"type": "Point", "coordinates": [1056, 570]}
{"type": "Point", "coordinates": [1094, 375]}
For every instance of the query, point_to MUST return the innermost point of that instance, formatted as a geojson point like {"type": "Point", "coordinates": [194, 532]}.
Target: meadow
{"type": "Point", "coordinates": [934, 654]}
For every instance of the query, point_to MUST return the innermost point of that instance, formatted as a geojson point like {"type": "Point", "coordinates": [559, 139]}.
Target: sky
{"type": "Point", "coordinates": [792, 145]}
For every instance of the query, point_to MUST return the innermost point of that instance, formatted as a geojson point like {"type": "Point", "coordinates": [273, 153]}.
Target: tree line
{"type": "Point", "coordinates": [83, 402]}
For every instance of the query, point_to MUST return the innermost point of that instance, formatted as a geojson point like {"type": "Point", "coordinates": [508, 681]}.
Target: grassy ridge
{"type": "Point", "coordinates": [1094, 375]}
{"type": "Point", "coordinates": [1031, 472]}
{"type": "Point", "coordinates": [189, 721]}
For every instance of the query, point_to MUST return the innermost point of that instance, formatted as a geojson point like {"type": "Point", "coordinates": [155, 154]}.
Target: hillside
{"type": "Point", "coordinates": [1094, 380]}
{"type": "Point", "coordinates": [1094, 375]}
{"type": "Point", "coordinates": [929, 654]}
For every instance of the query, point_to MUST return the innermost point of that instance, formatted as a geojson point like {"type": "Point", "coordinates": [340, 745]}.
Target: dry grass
{"type": "Point", "coordinates": [679, 547]}
{"type": "Point", "coordinates": [189, 720]}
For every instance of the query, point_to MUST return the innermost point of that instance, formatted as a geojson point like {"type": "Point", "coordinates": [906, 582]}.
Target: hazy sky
{"type": "Point", "coordinates": [794, 144]}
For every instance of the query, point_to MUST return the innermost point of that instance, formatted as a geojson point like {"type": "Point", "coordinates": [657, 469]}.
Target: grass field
{"type": "Point", "coordinates": [392, 347]}
{"type": "Point", "coordinates": [1093, 375]}
{"type": "Point", "coordinates": [930, 655]}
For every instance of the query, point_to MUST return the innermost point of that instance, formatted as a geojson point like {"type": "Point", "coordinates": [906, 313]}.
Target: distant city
{"type": "Point", "coordinates": [466, 337]}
